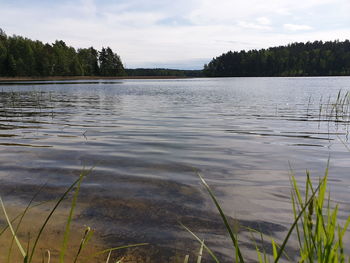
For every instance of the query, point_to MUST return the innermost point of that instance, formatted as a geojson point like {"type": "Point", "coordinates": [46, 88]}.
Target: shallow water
{"type": "Point", "coordinates": [147, 138]}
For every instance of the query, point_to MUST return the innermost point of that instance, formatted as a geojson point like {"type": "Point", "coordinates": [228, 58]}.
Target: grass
{"type": "Point", "coordinates": [320, 236]}
{"type": "Point", "coordinates": [28, 251]}
{"type": "Point", "coordinates": [316, 226]}
{"type": "Point", "coordinates": [334, 111]}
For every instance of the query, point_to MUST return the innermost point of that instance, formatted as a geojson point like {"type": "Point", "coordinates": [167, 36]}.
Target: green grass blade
{"type": "Point", "coordinates": [227, 225]}
{"type": "Point", "coordinates": [295, 216]}
{"type": "Point", "coordinates": [345, 227]}
{"type": "Point", "coordinates": [28, 247]}
{"type": "Point", "coordinates": [12, 230]}
{"type": "Point", "coordinates": [48, 256]}
{"type": "Point", "coordinates": [187, 258]}
{"type": "Point", "coordinates": [252, 230]}
{"type": "Point", "coordinates": [257, 250]}
{"type": "Point", "coordinates": [69, 220]}
{"type": "Point", "coordinates": [120, 260]}
{"type": "Point", "coordinates": [20, 222]}
{"type": "Point", "coordinates": [87, 236]}
{"type": "Point", "coordinates": [200, 241]}
{"type": "Point", "coordinates": [274, 249]}
{"type": "Point", "coordinates": [200, 253]}
{"type": "Point", "coordinates": [50, 215]}
{"type": "Point", "coordinates": [263, 246]}
{"type": "Point", "coordinates": [280, 252]}
{"type": "Point", "coordinates": [19, 215]}
{"type": "Point", "coordinates": [108, 257]}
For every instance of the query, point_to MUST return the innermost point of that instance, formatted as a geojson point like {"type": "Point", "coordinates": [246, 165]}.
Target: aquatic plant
{"type": "Point", "coordinates": [316, 226]}
{"type": "Point", "coordinates": [319, 233]}
{"type": "Point", "coordinates": [335, 110]}
{"type": "Point", "coordinates": [28, 253]}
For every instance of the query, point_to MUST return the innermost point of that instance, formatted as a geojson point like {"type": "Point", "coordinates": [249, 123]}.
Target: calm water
{"type": "Point", "coordinates": [146, 139]}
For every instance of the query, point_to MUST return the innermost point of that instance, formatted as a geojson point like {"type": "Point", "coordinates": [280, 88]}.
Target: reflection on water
{"type": "Point", "coordinates": [147, 138]}
{"type": "Point", "coordinates": [54, 82]}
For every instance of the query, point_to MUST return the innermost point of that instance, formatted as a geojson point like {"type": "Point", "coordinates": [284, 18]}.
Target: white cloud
{"type": "Point", "coordinates": [224, 11]}
{"type": "Point", "coordinates": [251, 25]}
{"type": "Point", "coordinates": [263, 21]}
{"type": "Point", "coordinates": [88, 7]}
{"type": "Point", "coordinates": [293, 27]}
{"type": "Point", "coordinates": [132, 28]}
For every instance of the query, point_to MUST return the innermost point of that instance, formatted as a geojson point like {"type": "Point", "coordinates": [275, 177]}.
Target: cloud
{"type": "Point", "coordinates": [260, 23]}
{"type": "Point", "coordinates": [177, 33]}
{"type": "Point", "coordinates": [293, 27]}
{"type": "Point", "coordinates": [252, 25]}
{"type": "Point", "coordinates": [88, 7]}
{"type": "Point", "coordinates": [174, 21]}
{"type": "Point", "coordinates": [263, 21]}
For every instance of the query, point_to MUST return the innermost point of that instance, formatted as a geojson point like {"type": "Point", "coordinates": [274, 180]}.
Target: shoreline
{"type": "Point", "coordinates": [3, 79]}
{"type": "Point", "coordinates": [62, 78]}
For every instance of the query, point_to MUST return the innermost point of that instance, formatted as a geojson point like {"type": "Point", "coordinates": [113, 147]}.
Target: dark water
{"type": "Point", "coordinates": [147, 138]}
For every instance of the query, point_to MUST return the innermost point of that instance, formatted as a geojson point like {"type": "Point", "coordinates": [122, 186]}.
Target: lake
{"type": "Point", "coordinates": [147, 139]}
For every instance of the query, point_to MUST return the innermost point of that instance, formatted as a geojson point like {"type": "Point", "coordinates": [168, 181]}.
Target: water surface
{"type": "Point", "coordinates": [146, 139]}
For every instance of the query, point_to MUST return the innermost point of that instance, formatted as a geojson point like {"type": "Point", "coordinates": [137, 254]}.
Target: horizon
{"type": "Point", "coordinates": [180, 35]}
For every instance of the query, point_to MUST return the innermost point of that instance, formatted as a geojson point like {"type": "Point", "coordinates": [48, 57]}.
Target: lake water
{"type": "Point", "coordinates": [146, 139]}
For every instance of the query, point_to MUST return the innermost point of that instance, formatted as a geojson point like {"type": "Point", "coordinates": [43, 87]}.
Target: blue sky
{"type": "Point", "coordinates": [176, 34]}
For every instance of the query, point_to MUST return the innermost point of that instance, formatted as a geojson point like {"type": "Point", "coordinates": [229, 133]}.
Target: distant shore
{"type": "Point", "coordinates": [85, 78]}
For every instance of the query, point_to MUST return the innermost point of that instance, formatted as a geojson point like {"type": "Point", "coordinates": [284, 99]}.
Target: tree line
{"type": "Point", "coordinates": [21, 56]}
{"type": "Point", "coordinates": [163, 72]}
{"type": "Point", "coordinates": [331, 58]}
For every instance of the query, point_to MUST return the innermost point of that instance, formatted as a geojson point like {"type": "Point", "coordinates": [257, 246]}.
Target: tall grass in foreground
{"type": "Point", "coordinates": [316, 226]}
{"type": "Point", "coordinates": [320, 235]}
{"type": "Point", "coordinates": [28, 252]}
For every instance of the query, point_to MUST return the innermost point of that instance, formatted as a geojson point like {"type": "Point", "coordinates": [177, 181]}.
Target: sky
{"type": "Point", "coordinates": [182, 34]}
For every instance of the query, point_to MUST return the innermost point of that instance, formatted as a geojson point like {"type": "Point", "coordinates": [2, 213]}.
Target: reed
{"type": "Point", "coordinates": [28, 251]}
{"type": "Point", "coordinates": [316, 226]}
{"type": "Point", "coordinates": [335, 110]}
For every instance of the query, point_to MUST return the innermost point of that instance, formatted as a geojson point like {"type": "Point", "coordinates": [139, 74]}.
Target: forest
{"type": "Point", "coordinates": [164, 72]}
{"type": "Point", "coordinates": [21, 56]}
{"type": "Point", "coordinates": [331, 58]}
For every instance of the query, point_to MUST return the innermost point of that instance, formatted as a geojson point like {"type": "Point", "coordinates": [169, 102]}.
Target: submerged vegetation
{"type": "Point", "coordinates": [30, 251]}
{"type": "Point", "coordinates": [331, 58]}
{"type": "Point", "coordinates": [318, 230]}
